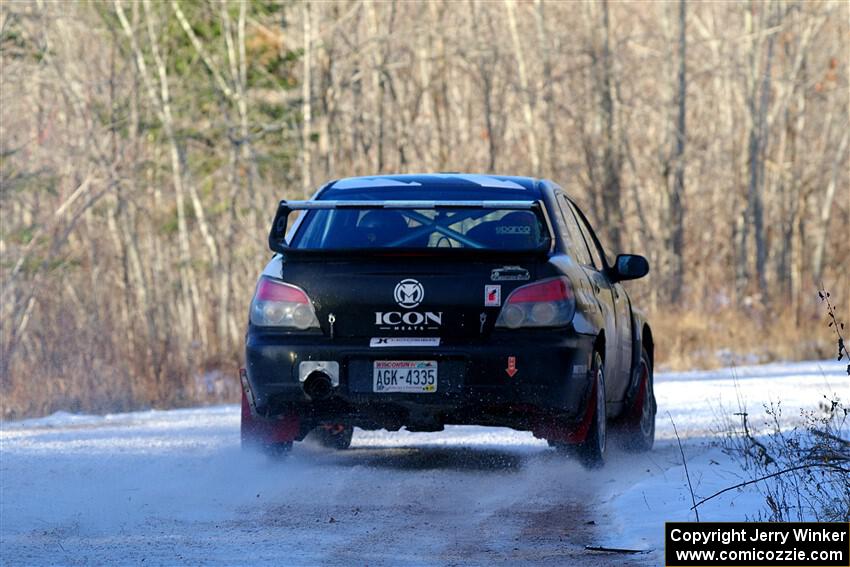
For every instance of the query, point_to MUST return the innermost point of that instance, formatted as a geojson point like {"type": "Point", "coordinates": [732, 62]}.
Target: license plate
{"type": "Point", "coordinates": [413, 376]}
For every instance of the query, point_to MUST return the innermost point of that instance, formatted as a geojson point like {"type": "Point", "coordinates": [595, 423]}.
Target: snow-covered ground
{"type": "Point", "coordinates": [173, 487]}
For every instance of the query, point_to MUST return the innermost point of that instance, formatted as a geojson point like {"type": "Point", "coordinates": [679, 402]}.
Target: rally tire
{"type": "Point", "coordinates": [339, 440]}
{"type": "Point", "coordinates": [591, 451]}
{"type": "Point", "coordinates": [639, 431]}
{"type": "Point", "coordinates": [276, 450]}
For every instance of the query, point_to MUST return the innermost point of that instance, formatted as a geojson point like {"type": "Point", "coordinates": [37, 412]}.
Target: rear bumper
{"type": "Point", "coordinates": [474, 386]}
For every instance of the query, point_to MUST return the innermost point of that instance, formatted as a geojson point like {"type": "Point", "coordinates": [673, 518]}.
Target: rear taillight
{"type": "Point", "coordinates": [278, 304]}
{"type": "Point", "coordinates": [547, 303]}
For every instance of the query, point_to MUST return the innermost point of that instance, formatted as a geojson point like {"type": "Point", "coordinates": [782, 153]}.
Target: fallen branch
{"type": "Point", "coordinates": [831, 437]}
{"type": "Point", "coordinates": [615, 549]}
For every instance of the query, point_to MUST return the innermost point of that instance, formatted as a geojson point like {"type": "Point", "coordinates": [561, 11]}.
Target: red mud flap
{"type": "Point", "coordinates": [553, 430]}
{"type": "Point", "coordinates": [256, 430]}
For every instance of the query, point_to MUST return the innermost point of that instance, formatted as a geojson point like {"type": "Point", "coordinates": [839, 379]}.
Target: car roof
{"type": "Point", "coordinates": [447, 185]}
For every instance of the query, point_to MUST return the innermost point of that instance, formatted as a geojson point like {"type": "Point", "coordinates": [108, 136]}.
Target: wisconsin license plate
{"type": "Point", "coordinates": [413, 376]}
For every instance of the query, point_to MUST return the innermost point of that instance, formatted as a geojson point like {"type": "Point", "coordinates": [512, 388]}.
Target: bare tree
{"type": "Point", "coordinates": [143, 146]}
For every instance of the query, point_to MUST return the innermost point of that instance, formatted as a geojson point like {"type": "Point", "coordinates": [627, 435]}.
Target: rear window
{"type": "Point", "coordinates": [470, 228]}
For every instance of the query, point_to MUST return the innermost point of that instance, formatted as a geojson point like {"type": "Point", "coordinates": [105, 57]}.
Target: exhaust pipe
{"type": "Point", "coordinates": [318, 386]}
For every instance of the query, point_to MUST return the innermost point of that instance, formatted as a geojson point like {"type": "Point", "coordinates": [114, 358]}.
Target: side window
{"type": "Point", "coordinates": [572, 234]}
{"type": "Point", "coordinates": [595, 252]}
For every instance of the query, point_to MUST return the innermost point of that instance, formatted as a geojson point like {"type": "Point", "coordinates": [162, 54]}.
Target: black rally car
{"type": "Point", "coordinates": [423, 300]}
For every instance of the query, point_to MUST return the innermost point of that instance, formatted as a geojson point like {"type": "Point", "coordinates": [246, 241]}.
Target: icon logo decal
{"type": "Point", "coordinates": [409, 320]}
{"type": "Point", "coordinates": [409, 293]}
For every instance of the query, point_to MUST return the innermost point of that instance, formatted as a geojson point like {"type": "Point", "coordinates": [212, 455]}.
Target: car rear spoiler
{"type": "Point", "coordinates": [277, 234]}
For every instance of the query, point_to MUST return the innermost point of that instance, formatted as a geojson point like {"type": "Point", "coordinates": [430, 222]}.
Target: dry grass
{"type": "Point", "coordinates": [692, 339]}
{"type": "Point", "coordinates": [81, 371]}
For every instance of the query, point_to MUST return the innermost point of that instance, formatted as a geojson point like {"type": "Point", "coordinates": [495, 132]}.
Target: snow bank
{"type": "Point", "coordinates": [700, 403]}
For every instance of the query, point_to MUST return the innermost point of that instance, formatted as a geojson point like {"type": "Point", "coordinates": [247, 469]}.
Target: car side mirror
{"type": "Point", "coordinates": [630, 267]}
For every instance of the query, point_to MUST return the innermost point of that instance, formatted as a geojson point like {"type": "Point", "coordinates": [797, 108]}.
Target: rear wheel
{"type": "Point", "coordinates": [334, 436]}
{"type": "Point", "coordinates": [276, 449]}
{"type": "Point", "coordinates": [591, 451]}
{"type": "Point", "coordinates": [639, 434]}
{"type": "Point", "coordinates": [273, 436]}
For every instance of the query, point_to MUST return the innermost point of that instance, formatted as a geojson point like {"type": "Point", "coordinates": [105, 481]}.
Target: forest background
{"type": "Point", "coordinates": [144, 146]}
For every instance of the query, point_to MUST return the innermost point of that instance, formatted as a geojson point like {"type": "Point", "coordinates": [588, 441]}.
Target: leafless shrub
{"type": "Point", "coordinates": [144, 144]}
{"type": "Point", "coordinates": [803, 472]}
{"type": "Point", "coordinates": [836, 325]}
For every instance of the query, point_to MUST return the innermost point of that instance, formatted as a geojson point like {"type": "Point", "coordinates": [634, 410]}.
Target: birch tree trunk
{"type": "Point", "coordinates": [307, 105]}
{"type": "Point", "coordinates": [162, 104]}
{"type": "Point", "coordinates": [549, 114]}
{"type": "Point", "coordinates": [612, 212]}
{"type": "Point", "coordinates": [677, 192]}
{"type": "Point", "coordinates": [526, 93]}
{"type": "Point", "coordinates": [758, 102]}
{"type": "Point", "coordinates": [827, 206]}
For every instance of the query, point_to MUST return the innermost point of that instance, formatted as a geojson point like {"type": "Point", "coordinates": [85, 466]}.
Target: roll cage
{"type": "Point", "coordinates": [279, 239]}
